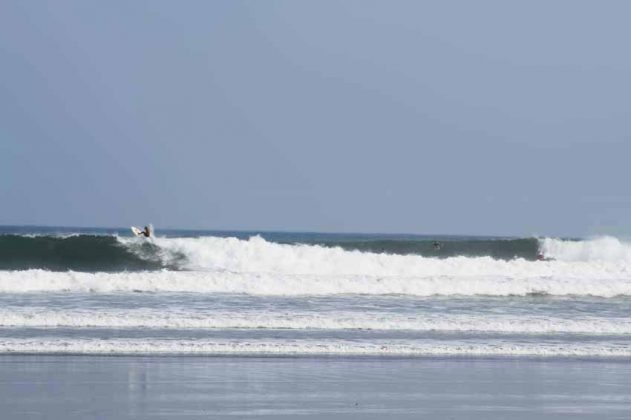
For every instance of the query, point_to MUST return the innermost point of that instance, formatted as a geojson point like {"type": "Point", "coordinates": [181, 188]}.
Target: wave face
{"type": "Point", "coordinates": [77, 252]}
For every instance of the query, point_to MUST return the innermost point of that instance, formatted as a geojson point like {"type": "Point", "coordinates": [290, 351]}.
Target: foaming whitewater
{"type": "Point", "coordinates": [183, 318]}
{"type": "Point", "coordinates": [258, 255]}
{"type": "Point", "coordinates": [308, 348]}
{"type": "Point", "coordinates": [604, 249]}
{"type": "Point", "coordinates": [598, 282]}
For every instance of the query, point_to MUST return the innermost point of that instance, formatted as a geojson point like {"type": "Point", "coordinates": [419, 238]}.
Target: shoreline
{"type": "Point", "coordinates": [69, 387]}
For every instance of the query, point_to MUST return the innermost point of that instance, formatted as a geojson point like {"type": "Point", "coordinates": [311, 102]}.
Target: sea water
{"type": "Point", "coordinates": [103, 291]}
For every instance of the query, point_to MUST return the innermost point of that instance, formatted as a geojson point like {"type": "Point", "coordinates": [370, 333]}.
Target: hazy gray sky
{"type": "Point", "coordinates": [485, 117]}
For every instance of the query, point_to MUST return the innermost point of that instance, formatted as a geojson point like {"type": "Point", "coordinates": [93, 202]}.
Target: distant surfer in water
{"type": "Point", "coordinates": [437, 246]}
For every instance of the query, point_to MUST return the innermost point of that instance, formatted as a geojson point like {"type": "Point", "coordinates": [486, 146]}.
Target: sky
{"type": "Point", "coordinates": [431, 117]}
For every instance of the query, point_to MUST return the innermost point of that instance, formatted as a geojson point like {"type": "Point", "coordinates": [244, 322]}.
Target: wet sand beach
{"type": "Point", "coordinates": [142, 387]}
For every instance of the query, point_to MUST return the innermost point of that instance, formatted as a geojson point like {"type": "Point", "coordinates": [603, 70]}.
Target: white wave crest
{"type": "Point", "coordinates": [603, 249]}
{"type": "Point", "coordinates": [309, 347]}
{"type": "Point", "coordinates": [518, 278]}
{"type": "Point", "coordinates": [180, 318]}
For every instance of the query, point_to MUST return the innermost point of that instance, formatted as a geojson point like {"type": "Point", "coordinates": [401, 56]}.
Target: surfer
{"type": "Point", "coordinates": [146, 232]}
{"type": "Point", "coordinates": [437, 246]}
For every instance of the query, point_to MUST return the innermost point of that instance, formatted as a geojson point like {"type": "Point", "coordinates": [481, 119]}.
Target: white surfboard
{"type": "Point", "coordinates": [140, 232]}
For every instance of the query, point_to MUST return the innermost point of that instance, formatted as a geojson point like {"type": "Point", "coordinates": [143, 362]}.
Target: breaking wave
{"type": "Point", "coordinates": [598, 267]}
{"type": "Point", "coordinates": [92, 253]}
{"type": "Point", "coordinates": [603, 249]}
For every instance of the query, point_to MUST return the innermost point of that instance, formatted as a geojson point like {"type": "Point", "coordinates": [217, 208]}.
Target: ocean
{"type": "Point", "coordinates": [103, 291]}
{"type": "Point", "coordinates": [294, 314]}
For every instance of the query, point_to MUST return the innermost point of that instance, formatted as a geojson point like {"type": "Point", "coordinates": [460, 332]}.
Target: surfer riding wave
{"type": "Point", "coordinates": [147, 232]}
